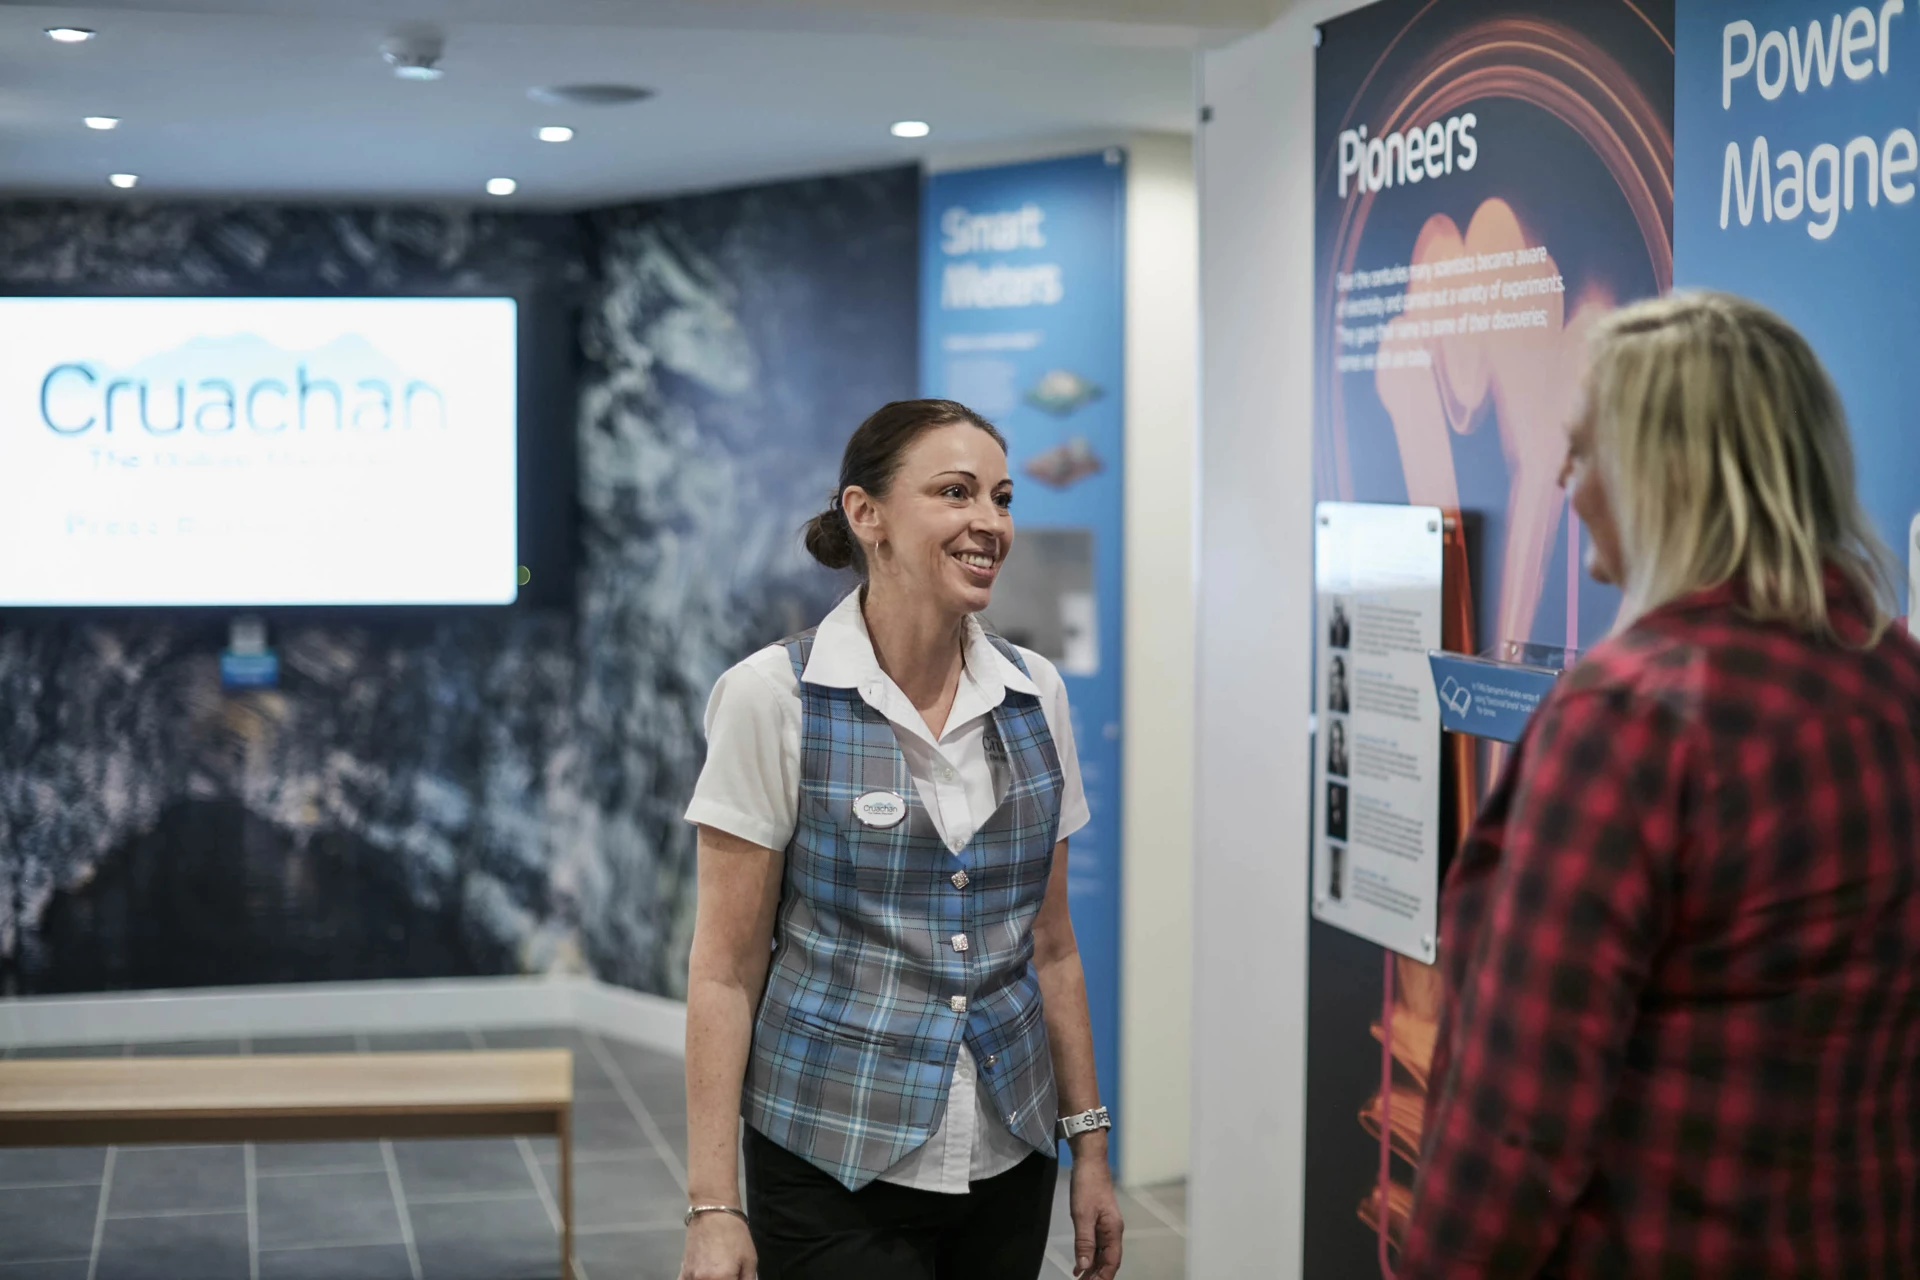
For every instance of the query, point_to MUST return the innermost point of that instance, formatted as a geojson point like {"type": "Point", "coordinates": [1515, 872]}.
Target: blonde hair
{"type": "Point", "coordinates": [1725, 453]}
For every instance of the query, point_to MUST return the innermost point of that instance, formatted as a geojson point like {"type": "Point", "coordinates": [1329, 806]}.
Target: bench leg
{"type": "Point", "coordinates": [566, 1194]}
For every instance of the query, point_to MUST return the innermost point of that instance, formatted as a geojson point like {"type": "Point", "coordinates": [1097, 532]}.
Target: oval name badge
{"type": "Point", "coordinates": [880, 809]}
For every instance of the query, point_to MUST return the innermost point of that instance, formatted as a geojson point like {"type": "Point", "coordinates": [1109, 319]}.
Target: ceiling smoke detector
{"type": "Point", "coordinates": [414, 53]}
{"type": "Point", "coordinates": [590, 95]}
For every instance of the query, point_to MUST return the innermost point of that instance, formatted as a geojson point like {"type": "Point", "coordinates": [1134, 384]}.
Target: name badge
{"type": "Point", "coordinates": [880, 809]}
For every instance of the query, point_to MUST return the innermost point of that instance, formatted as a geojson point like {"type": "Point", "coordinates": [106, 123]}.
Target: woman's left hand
{"type": "Point", "coordinates": [1097, 1227]}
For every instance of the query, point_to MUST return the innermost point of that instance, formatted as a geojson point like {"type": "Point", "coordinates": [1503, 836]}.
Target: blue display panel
{"type": "Point", "coordinates": [1021, 293]}
{"type": "Point", "coordinates": [1797, 166]}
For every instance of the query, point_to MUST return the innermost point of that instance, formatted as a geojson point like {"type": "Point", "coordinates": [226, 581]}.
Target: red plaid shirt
{"type": "Point", "coordinates": [1682, 1033]}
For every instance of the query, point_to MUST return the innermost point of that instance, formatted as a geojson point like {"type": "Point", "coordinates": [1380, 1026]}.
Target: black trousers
{"type": "Point", "coordinates": [806, 1226]}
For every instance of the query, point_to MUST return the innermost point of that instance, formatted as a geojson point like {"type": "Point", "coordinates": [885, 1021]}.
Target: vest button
{"type": "Point", "coordinates": [957, 1003]}
{"type": "Point", "coordinates": [959, 942]}
{"type": "Point", "coordinates": [959, 879]}
{"type": "Point", "coordinates": [1013, 1119]}
{"type": "Point", "coordinates": [992, 1058]}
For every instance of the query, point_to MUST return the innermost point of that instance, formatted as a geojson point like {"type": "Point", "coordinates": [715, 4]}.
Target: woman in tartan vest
{"type": "Point", "coordinates": [885, 982]}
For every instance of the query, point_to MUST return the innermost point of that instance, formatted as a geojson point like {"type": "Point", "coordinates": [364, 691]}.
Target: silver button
{"type": "Point", "coordinates": [959, 942]}
{"type": "Point", "coordinates": [957, 1003]}
{"type": "Point", "coordinates": [1013, 1118]}
{"type": "Point", "coordinates": [960, 880]}
{"type": "Point", "coordinates": [992, 1058]}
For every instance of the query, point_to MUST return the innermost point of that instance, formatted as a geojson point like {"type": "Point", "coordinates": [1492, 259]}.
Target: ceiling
{"type": "Point", "coordinates": [291, 97]}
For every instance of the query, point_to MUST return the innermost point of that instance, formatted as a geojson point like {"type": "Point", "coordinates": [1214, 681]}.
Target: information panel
{"type": "Point", "coordinates": [1021, 319]}
{"type": "Point", "coordinates": [1378, 572]}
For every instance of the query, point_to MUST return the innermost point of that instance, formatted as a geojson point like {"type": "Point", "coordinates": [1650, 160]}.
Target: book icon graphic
{"type": "Point", "coordinates": [1456, 696]}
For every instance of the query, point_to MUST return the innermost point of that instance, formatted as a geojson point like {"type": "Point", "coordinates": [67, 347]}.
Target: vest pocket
{"type": "Point", "coordinates": [1016, 1044]}
{"type": "Point", "coordinates": [842, 1033]}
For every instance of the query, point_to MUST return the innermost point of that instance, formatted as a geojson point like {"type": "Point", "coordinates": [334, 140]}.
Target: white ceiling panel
{"type": "Point", "coordinates": [290, 98]}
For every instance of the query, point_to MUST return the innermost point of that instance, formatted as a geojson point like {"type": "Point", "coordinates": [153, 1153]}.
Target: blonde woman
{"type": "Point", "coordinates": [1682, 945]}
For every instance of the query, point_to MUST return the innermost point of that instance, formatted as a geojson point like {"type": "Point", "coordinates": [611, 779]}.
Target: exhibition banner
{"type": "Point", "coordinates": [1491, 177]}
{"type": "Point", "coordinates": [1798, 163]}
{"type": "Point", "coordinates": [1021, 296]}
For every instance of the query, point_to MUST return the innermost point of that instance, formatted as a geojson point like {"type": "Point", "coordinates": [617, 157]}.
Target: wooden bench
{"type": "Point", "coordinates": [92, 1102]}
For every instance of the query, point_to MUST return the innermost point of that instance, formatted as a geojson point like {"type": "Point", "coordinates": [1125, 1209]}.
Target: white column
{"type": "Point", "coordinates": [1256, 588]}
{"type": "Point", "coordinates": [1156, 957]}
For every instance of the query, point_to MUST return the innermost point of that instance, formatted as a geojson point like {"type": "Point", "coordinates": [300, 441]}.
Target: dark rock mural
{"type": "Point", "coordinates": [475, 793]}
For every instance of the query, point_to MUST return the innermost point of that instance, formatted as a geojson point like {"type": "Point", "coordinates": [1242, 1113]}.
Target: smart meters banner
{"type": "Point", "coordinates": [1798, 156]}
{"type": "Point", "coordinates": [1021, 299]}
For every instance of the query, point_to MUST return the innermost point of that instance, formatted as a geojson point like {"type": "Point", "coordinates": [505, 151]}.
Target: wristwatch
{"type": "Point", "coordinates": [1085, 1122]}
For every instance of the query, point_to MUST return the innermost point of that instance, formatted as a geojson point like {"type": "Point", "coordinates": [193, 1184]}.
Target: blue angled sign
{"type": "Point", "coordinates": [1021, 294]}
{"type": "Point", "coordinates": [1488, 699]}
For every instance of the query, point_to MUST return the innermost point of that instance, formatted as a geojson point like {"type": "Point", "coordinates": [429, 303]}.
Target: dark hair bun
{"type": "Point", "coordinates": [830, 540]}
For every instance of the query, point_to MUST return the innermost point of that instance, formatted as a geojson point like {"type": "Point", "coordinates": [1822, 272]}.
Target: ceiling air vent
{"type": "Point", "coordinates": [590, 95]}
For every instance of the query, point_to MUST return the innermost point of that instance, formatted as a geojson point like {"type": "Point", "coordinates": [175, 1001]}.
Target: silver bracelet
{"type": "Point", "coordinates": [695, 1210]}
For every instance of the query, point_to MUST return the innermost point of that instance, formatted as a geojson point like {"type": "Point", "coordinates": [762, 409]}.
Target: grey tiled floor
{"type": "Point", "coordinates": [461, 1210]}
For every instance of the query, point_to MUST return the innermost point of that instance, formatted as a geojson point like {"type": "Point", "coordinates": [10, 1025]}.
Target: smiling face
{"type": "Point", "coordinates": [1587, 491]}
{"type": "Point", "coordinates": [945, 526]}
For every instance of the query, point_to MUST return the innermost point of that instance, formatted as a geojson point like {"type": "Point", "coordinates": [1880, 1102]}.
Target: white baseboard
{"type": "Point", "coordinates": [335, 1008]}
{"type": "Point", "coordinates": [634, 1016]}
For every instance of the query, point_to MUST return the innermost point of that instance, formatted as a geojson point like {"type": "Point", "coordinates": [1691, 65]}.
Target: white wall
{"type": "Point", "coordinates": [1162, 344]}
{"type": "Point", "coordinates": [1255, 652]}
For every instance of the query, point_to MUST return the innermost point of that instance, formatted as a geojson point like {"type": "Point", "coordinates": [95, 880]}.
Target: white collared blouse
{"type": "Point", "coordinates": [750, 788]}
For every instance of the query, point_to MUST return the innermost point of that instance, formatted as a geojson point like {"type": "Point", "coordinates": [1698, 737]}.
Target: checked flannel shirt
{"type": "Point", "coordinates": [891, 949]}
{"type": "Point", "coordinates": [1682, 950]}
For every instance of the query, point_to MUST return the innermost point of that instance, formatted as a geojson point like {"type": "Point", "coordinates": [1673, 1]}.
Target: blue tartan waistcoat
{"type": "Point", "coordinates": [868, 998]}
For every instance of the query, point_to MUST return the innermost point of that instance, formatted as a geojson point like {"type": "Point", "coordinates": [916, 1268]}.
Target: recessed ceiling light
{"type": "Point", "coordinates": [501, 186]}
{"type": "Point", "coordinates": [555, 133]}
{"type": "Point", "coordinates": [419, 73]}
{"type": "Point", "coordinates": [124, 181]}
{"type": "Point", "coordinates": [911, 128]}
{"type": "Point", "coordinates": [70, 35]}
{"type": "Point", "coordinates": [103, 122]}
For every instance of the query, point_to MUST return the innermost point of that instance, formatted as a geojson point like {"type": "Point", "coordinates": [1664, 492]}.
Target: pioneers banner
{"type": "Point", "coordinates": [1491, 179]}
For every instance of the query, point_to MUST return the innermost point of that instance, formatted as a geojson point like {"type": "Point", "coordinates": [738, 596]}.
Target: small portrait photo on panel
{"type": "Point", "coordinates": [1336, 872]}
{"type": "Point", "coordinates": [1338, 699]}
{"type": "Point", "coordinates": [1336, 811]}
{"type": "Point", "coordinates": [1337, 748]}
{"type": "Point", "coordinates": [1340, 624]}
